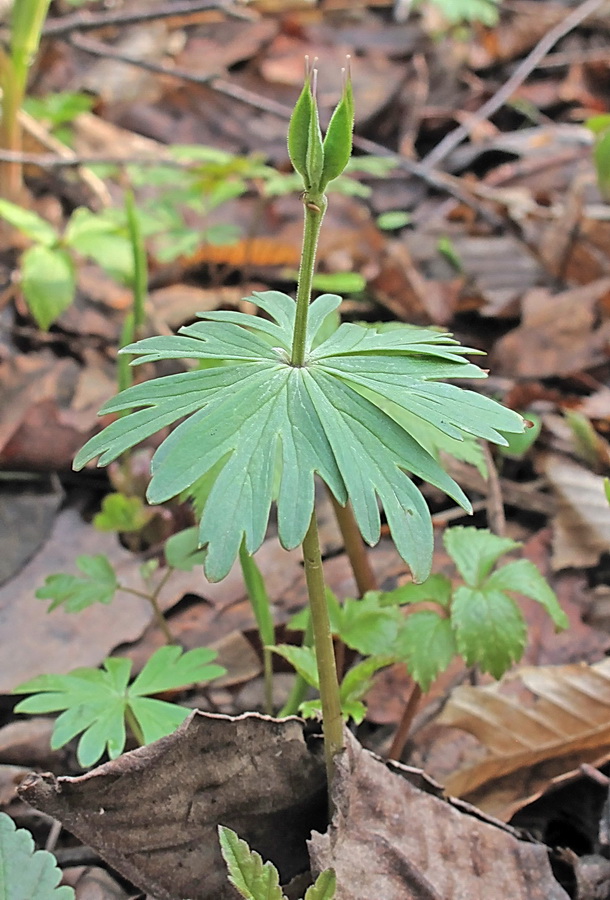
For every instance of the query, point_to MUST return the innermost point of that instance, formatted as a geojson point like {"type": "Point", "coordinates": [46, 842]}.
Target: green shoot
{"type": "Point", "coordinates": [256, 880]}
{"type": "Point", "coordinates": [98, 702]}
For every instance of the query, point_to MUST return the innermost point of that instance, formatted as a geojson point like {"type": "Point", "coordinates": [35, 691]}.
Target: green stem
{"type": "Point", "coordinates": [325, 653]}
{"type": "Point", "coordinates": [135, 728]}
{"type": "Point", "coordinates": [261, 607]}
{"type": "Point", "coordinates": [153, 599]}
{"type": "Point", "coordinates": [314, 213]}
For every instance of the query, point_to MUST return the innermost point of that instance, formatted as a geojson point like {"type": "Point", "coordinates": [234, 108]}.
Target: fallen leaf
{"type": "Point", "coordinates": [581, 526]}
{"type": "Point", "coordinates": [559, 721]}
{"type": "Point", "coordinates": [559, 334]}
{"type": "Point", "coordinates": [152, 814]}
{"type": "Point", "coordinates": [395, 836]}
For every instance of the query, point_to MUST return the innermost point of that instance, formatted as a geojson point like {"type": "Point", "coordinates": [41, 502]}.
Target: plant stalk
{"type": "Point", "coordinates": [354, 547]}
{"type": "Point", "coordinates": [314, 213]}
{"type": "Point", "coordinates": [325, 653]}
{"type": "Point", "coordinates": [135, 728]}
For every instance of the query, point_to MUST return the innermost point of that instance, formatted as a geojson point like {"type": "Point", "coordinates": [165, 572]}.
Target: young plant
{"type": "Point", "coordinates": [48, 272]}
{"type": "Point", "coordinates": [26, 21]}
{"type": "Point", "coordinates": [26, 873]}
{"type": "Point", "coordinates": [478, 620]}
{"type": "Point", "coordinates": [98, 702]}
{"type": "Point", "coordinates": [99, 583]}
{"type": "Point", "coordinates": [256, 880]}
{"type": "Point", "coordinates": [285, 406]}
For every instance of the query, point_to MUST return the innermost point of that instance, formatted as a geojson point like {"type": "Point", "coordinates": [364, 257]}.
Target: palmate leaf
{"type": "Point", "coordinates": [258, 415]}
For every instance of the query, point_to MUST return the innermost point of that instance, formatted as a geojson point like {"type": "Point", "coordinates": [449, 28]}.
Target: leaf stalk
{"type": "Point", "coordinates": [315, 207]}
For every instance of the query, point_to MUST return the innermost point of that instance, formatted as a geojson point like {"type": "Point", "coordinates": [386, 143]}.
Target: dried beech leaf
{"type": "Point", "coordinates": [153, 814]}
{"type": "Point", "coordinates": [395, 837]}
{"type": "Point", "coordinates": [581, 527]}
{"type": "Point", "coordinates": [566, 722]}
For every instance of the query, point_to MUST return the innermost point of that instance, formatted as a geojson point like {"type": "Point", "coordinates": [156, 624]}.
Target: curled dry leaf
{"type": "Point", "coordinates": [153, 814]}
{"type": "Point", "coordinates": [559, 721]}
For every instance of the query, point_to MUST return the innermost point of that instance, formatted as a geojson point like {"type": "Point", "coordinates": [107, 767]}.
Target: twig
{"type": "Point", "coordinates": [437, 180]}
{"type": "Point", "coordinates": [525, 68]}
{"type": "Point", "coordinates": [88, 21]}
{"type": "Point", "coordinates": [496, 518]}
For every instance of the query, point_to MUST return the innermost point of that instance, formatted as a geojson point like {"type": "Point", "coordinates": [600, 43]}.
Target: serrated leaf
{"type": "Point", "coordinates": [357, 680]}
{"type": "Point", "coordinates": [27, 873]}
{"type": "Point", "coordinates": [96, 701]}
{"type": "Point", "coordinates": [122, 513]}
{"type": "Point", "coordinates": [324, 886]}
{"type": "Point", "coordinates": [489, 628]}
{"type": "Point", "coordinates": [254, 879]}
{"type": "Point", "coordinates": [369, 626]}
{"type": "Point", "coordinates": [182, 550]}
{"type": "Point", "coordinates": [31, 224]}
{"type": "Point", "coordinates": [475, 551]}
{"type": "Point", "coordinates": [48, 282]}
{"type": "Point", "coordinates": [523, 577]}
{"type": "Point", "coordinates": [73, 593]}
{"type": "Point", "coordinates": [436, 588]}
{"type": "Point", "coordinates": [258, 414]}
{"type": "Point", "coordinates": [484, 11]}
{"type": "Point", "coordinates": [302, 659]}
{"type": "Point", "coordinates": [427, 645]}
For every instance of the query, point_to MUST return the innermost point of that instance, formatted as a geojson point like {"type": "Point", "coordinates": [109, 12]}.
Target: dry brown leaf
{"type": "Point", "coordinates": [559, 334]}
{"type": "Point", "coordinates": [581, 527]}
{"type": "Point", "coordinates": [395, 837]}
{"type": "Point", "coordinates": [537, 723]}
{"type": "Point", "coordinates": [153, 813]}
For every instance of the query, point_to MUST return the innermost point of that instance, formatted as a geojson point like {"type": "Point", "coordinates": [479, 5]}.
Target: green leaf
{"type": "Point", "coordinates": [489, 628]}
{"type": "Point", "coordinates": [257, 415]}
{"type": "Point", "coordinates": [258, 596]}
{"type": "Point", "coordinates": [523, 577]}
{"type": "Point", "coordinates": [475, 551]}
{"type": "Point", "coordinates": [598, 124]}
{"type": "Point", "coordinates": [169, 668]}
{"type": "Point", "coordinates": [369, 626]}
{"type": "Point", "coordinates": [393, 220]}
{"type": "Point", "coordinates": [122, 513]}
{"type": "Point", "coordinates": [519, 444]}
{"type": "Point", "coordinates": [601, 156]}
{"type": "Point", "coordinates": [357, 682]}
{"type": "Point", "coordinates": [73, 593]}
{"type": "Point", "coordinates": [338, 141]}
{"type": "Point", "coordinates": [27, 873]}
{"type": "Point", "coordinates": [345, 282]}
{"type": "Point", "coordinates": [96, 701]}
{"type": "Point", "coordinates": [29, 223]}
{"type": "Point", "coordinates": [302, 659]}
{"type": "Point", "coordinates": [104, 238]}
{"type": "Point", "coordinates": [455, 11]}
{"type": "Point", "coordinates": [324, 887]}
{"type": "Point", "coordinates": [607, 488]}
{"type": "Point", "coordinates": [436, 588]}
{"type": "Point", "coordinates": [253, 879]}
{"type": "Point", "coordinates": [182, 550]}
{"type": "Point", "coordinates": [427, 645]}
{"type": "Point", "coordinates": [48, 282]}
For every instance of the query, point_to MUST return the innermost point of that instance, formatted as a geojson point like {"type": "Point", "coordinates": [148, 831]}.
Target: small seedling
{"type": "Point", "coordinates": [27, 873]}
{"type": "Point", "coordinates": [600, 126]}
{"type": "Point", "coordinates": [256, 880]}
{"type": "Point", "coordinates": [98, 702]}
{"type": "Point", "coordinates": [478, 619]}
{"type": "Point", "coordinates": [48, 272]}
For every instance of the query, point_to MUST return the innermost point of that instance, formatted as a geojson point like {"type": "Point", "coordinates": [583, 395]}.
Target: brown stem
{"type": "Point", "coordinates": [404, 726]}
{"type": "Point", "coordinates": [354, 547]}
